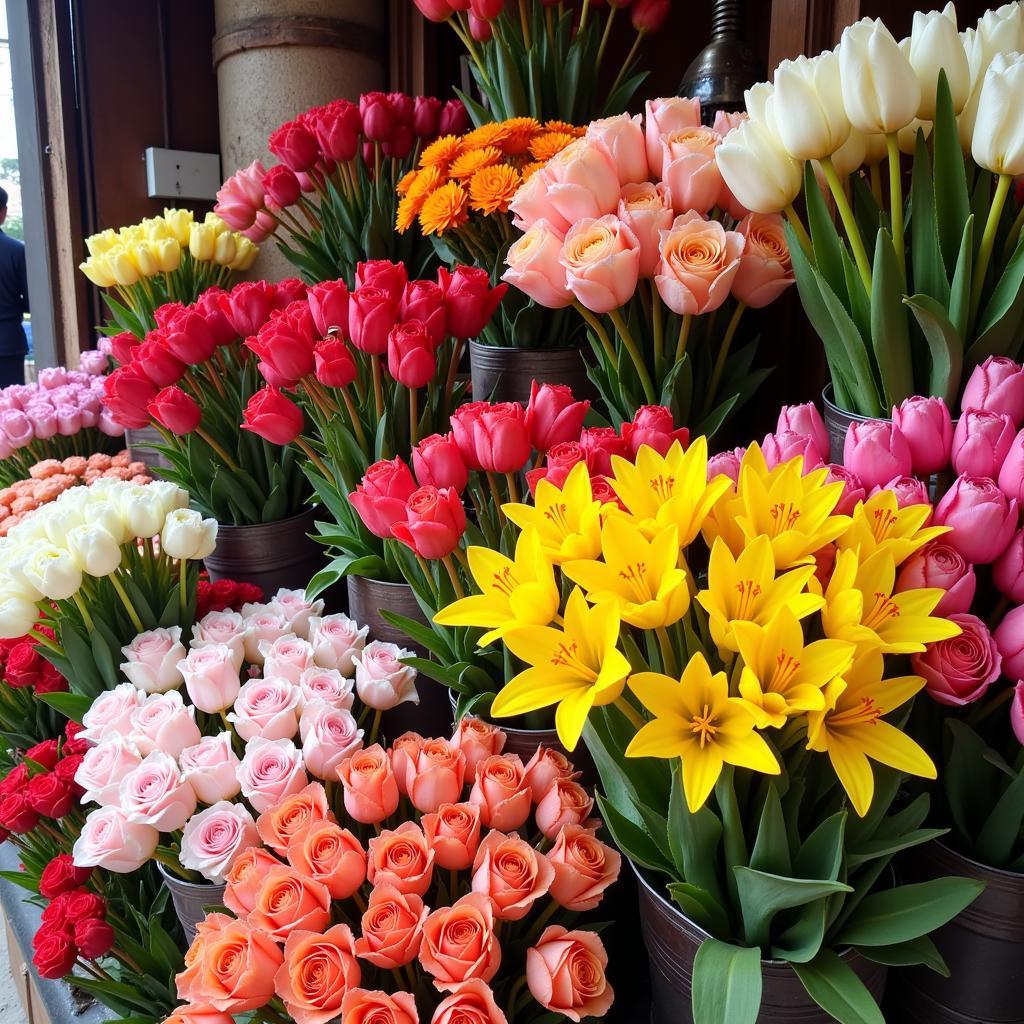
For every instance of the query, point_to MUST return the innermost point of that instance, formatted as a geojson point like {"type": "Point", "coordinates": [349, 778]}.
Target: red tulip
{"type": "Point", "coordinates": [411, 359]}
{"type": "Point", "coordinates": [400, 143]}
{"type": "Point", "coordinates": [650, 15]}
{"type": "Point", "coordinates": [381, 496]}
{"type": "Point", "coordinates": [328, 302]}
{"type": "Point", "coordinates": [295, 146]}
{"type": "Point", "coordinates": [189, 338]}
{"type": "Point", "coordinates": [273, 417]}
{"type": "Point", "coordinates": [424, 301]}
{"type": "Point", "coordinates": [281, 187]}
{"type": "Point", "coordinates": [176, 411]}
{"type": "Point", "coordinates": [434, 10]}
{"type": "Point", "coordinates": [480, 29]}
{"type": "Point", "coordinates": [378, 117]}
{"type": "Point", "coordinates": [653, 426]}
{"type": "Point", "coordinates": [285, 342]}
{"type": "Point", "coordinates": [337, 127]}
{"type": "Point", "coordinates": [335, 366]}
{"type": "Point", "coordinates": [287, 291]}
{"type": "Point", "coordinates": [599, 444]}
{"type": "Point", "coordinates": [553, 415]}
{"type": "Point", "coordinates": [486, 10]}
{"type": "Point", "coordinates": [122, 346]}
{"type": "Point", "coordinates": [454, 119]}
{"type": "Point", "coordinates": [391, 277]}
{"type": "Point", "coordinates": [464, 421]}
{"type": "Point", "coordinates": [156, 361]}
{"type": "Point", "coordinates": [127, 393]}
{"type": "Point", "coordinates": [371, 315]}
{"type": "Point", "coordinates": [248, 306]}
{"type": "Point", "coordinates": [437, 460]}
{"type": "Point", "coordinates": [502, 443]}
{"type": "Point", "coordinates": [425, 114]}
{"type": "Point", "coordinates": [209, 306]}
{"type": "Point", "coordinates": [434, 524]}
{"type": "Point", "coordinates": [470, 299]}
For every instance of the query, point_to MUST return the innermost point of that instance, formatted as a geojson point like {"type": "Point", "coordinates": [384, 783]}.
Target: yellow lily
{"type": "Point", "coordinates": [577, 668]}
{"type": "Point", "coordinates": [641, 576]}
{"type": "Point", "coordinates": [851, 729]}
{"type": "Point", "coordinates": [567, 519]}
{"type": "Point", "coordinates": [667, 490]}
{"type": "Point", "coordinates": [879, 524]}
{"type": "Point", "coordinates": [861, 608]}
{"type": "Point", "coordinates": [746, 589]}
{"type": "Point", "coordinates": [512, 592]}
{"type": "Point", "coordinates": [697, 721]}
{"type": "Point", "coordinates": [782, 676]}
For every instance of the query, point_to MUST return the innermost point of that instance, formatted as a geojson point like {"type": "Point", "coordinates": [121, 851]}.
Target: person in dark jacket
{"type": "Point", "coordinates": [13, 304]}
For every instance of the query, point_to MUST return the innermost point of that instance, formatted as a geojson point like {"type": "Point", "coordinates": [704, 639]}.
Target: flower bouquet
{"type": "Point", "coordinates": [901, 310]}
{"type": "Point", "coordinates": [61, 416]}
{"type": "Point", "coordinates": [634, 227]}
{"type": "Point", "coordinates": [531, 60]}
{"type": "Point", "coordinates": [172, 258]}
{"type": "Point", "coordinates": [734, 713]}
{"type": "Point", "coordinates": [330, 202]}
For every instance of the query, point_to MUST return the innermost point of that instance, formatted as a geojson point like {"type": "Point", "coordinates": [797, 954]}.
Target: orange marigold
{"type": "Point", "coordinates": [467, 163]}
{"type": "Point", "coordinates": [492, 188]}
{"type": "Point", "coordinates": [576, 131]}
{"type": "Point", "coordinates": [408, 209]}
{"type": "Point", "coordinates": [424, 183]}
{"type": "Point", "coordinates": [545, 146]}
{"type": "Point", "coordinates": [519, 131]}
{"type": "Point", "coordinates": [444, 209]}
{"type": "Point", "coordinates": [441, 152]}
{"type": "Point", "coordinates": [531, 169]}
{"type": "Point", "coordinates": [491, 134]}
{"type": "Point", "coordinates": [406, 180]}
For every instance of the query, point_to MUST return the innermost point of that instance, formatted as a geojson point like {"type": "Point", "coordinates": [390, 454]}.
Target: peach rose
{"type": "Point", "coordinates": [371, 791]}
{"type": "Point", "coordinates": [565, 803]}
{"type": "Point", "coordinates": [287, 902]}
{"type": "Point", "coordinates": [699, 260]}
{"type": "Point", "coordinates": [623, 137]}
{"type": "Point", "coordinates": [583, 868]}
{"type": "Point", "coordinates": [546, 767]}
{"type": "Point", "coordinates": [534, 267]}
{"type": "Point", "coordinates": [459, 943]}
{"type": "Point", "coordinates": [478, 740]}
{"type": "Point", "coordinates": [532, 204]}
{"type": "Point", "coordinates": [392, 928]}
{"type": "Point", "coordinates": [690, 170]}
{"type": "Point", "coordinates": [292, 816]}
{"type": "Point", "coordinates": [583, 181]}
{"type": "Point", "coordinates": [602, 262]}
{"type": "Point", "coordinates": [402, 858]}
{"type": "Point", "coordinates": [199, 1015]}
{"type": "Point", "coordinates": [565, 973]}
{"type": "Point", "coordinates": [765, 270]}
{"type": "Point", "coordinates": [453, 834]}
{"type": "Point", "coordinates": [244, 879]}
{"type": "Point", "coordinates": [362, 1007]}
{"type": "Point", "coordinates": [331, 855]}
{"type": "Point", "coordinates": [471, 1003]}
{"type": "Point", "coordinates": [502, 792]}
{"type": "Point", "coordinates": [725, 121]}
{"type": "Point", "coordinates": [232, 969]}
{"type": "Point", "coordinates": [318, 971]}
{"type": "Point", "coordinates": [646, 209]}
{"type": "Point", "coordinates": [667, 115]}
{"type": "Point", "coordinates": [512, 873]}
{"type": "Point", "coordinates": [402, 750]}
{"type": "Point", "coordinates": [436, 775]}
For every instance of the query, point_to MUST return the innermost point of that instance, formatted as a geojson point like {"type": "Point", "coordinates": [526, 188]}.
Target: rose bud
{"type": "Point", "coordinates": [981, 442]}
{"type": "Point", "coordinates": [295, 146]}
{"type": "Point", "coordinates": [584, 868]}
{"type": "Point", "coordinates": [176, 411]}
{"type": "Point", "coordinates": [652, 426]}
{"type": "Point", "coordinates": [1011, 472]}
{"type": "Point", "coordinates": [553, 416]}
{"type": "Point", "coordinates": [806, 421]}
{"type": "Point", "coordinates": [958, 671]}
{"type": "Point", "coordinates": [766, 270]}
{"type": "Point", "coordinates": [383, 681]}
{"type": "Point", "coordinates": [411, 359]}
{"type": "Point", "coordinates": [380, 499]}
{"type": "Point", "coordinates": [478, 740]}
{"type": "Point", "coordinates": [787, 444]}
{"type": "Point", "coordinates": [436, 460]}
{"type": "Point", "coordinates": [1009, 638]}
{"type": "Point", "coordinates": [876, 451]}
{"type": "Point", "coordinates": [371, 316]}
{"type": "Point", "coordinates": [391, 928]}
{"type": "Point", "coordinates": [940, 565]}
{"type": "Point", "coordinates": [273, 417]}
{"type": "Point", "coordinates": [852, 490]}
{"type": "Point", "coordinates": [502, 792]}
{"type": "Point", "coordinates": [909, 490]}
{"type": "Point", "coordinates": [61, 875]}
{"type": "Point", "coordinates": [328, 305]}
{"type": "Point", "coordinates": [926, 425]}
{"type": "Point", "coordinates": [424, 301]}
{"type": "Point", "coordinates": [55, 954]}
{"type": "Point", "coordinates": [646, 209]}
{"type": "Point", "coordinates": [565, 971]}
{"type": "Point", "coordinates": [982, 519]}
{"type": "Point", "coordinates": [997, 385]}
{"type": "Point", "coordinates": [545, 768]}
{"type": "Point", "coordinates": [434, 524]}
{"type": "Point", "coordinates": [335, 367]}
{"type": "Point", "coordinates": [469, 299]}
{"type": "Point", "coordinates": [1008, 569]}
{"type": "Point", "coordinates": [500, 438]}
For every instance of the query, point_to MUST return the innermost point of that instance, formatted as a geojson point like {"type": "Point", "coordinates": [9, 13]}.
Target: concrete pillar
{"type": "Point", "coordinates": [276, 58]}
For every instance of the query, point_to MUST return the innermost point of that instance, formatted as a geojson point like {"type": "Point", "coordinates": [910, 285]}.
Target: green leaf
{"type": "Point", "coordinates": [908, 954]}
{"type": "Point", "coordinates": [960, 289]}
{"type": "Point", "coordinates": [726, 983]}
{"type": "Point", "coordinates": [908, 911]}
{"type": "Point", "coordinates": [832, 984]}
{"type": "Point", "coordinates": [999, 333]}
{"type": "Point", "coordinates": [952, 202]}
{"type": "Point", "coordinates": [928, 271]}
{"type": "Point", "coordinates": [890, 337]}
{"type": "Point", "coordinates": [70, 705]}
{"type": "Point", "coordinates": [944, 344]}
{"type": "Point", "coordinates": [700, 907]}
{"type": "Point", "coordinates": [967, 775]}
{"type": "Point", "coordinates": [421, 634]}
{"type": "Point", "coordinates": [763, 895]}
{"type": "Point", "coordinates": [83, 675]}
{"type": "Point", "coordinates": [634, 840]}
{"type": "Point", "coordinates": [828, 247]}
{"type": "Point", "coordinates": [771, 847]}
{"type": "Point", "coordinates": [693, 841]}
{"type": "Point", "coordinates": [1002, 829]}
{"type": "Point", "coordinates": [886, 847]}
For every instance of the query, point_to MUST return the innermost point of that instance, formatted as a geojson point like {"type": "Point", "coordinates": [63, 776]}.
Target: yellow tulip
{"type": "Point", "coordinates": [180, 224]}
{"type": "Point", "coordinates": [102, 242]}
{"type": "Point", "coordinates": [201, 242]}
{"type": "Point", "coordinates": [97, 269]}
{"type": "Point", "coordinates": [245, 253]}
{"type": "Point", "coordinates": [224, 249]}
{"type": "Point", "coordinates": [122, 267]}
{"type": "Point", "coordinates": [144, 257]}
{"type": "Point", "coordinates": [168, 254]}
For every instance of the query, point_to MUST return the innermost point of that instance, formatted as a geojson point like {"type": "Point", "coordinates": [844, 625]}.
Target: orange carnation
{"type": "Point", "coordinates": [426, 180]}
{"type": "Point", "coordinates": [493, 188]}
{"type": "Point", "coordinates": [292, 816]}
{"type": "Point", "coordinates": [405, 181]}
{"type": "Point", "coordinates": [490, 134]}
{"type": "Point", "coordinates": [444, 209]}
{"type": "Point", "coordinates": [408, 210]}
{"type": "Point", "coordinates": [317, 973]}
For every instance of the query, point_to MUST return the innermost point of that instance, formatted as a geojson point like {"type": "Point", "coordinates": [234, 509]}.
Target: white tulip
{"type": "Point", "coordinates": [807, 107]}
{"type": "Point", "coordinates": [94, 550]}
{"type": "Point", "coordinates": [186, 534]}
{"type": "Point", "coordinates": [171, 496]}
{"type": "Point", "coordinates": [874, 149]}
{"type": "Point", "coordinates": [998, 143]}
{"type": "Point", "coordinates": [850, 155]}
{"type": "Point", "coordinates": [51, 571]}
{"type": "Point", "coordinates": [998, 31]}
{"type": "Point", "coordinates": [60, 521]}
{"type": "Point", "coordinates": [880, 89]}
{"type": "Point", "coordinates": [759, 172]}
{"type": "Point", "coordinates": [936, 45]}
{"type": "Point", "coordinates": [758, 102]}
{"type": "Point", "coordinates": [144, 511]}
{"type": "Point", "coordinates": [906, 139]}
{"type": "Point", "coordinates": [108, 515]}
{"type": "Point", "coordinates": [17, 616]}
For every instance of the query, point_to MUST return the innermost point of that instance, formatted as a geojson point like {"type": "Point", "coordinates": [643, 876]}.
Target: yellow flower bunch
{"type": "Point", "coordinates": [778, 648]}
{"type": "Point", "coordinates": [478, 172]}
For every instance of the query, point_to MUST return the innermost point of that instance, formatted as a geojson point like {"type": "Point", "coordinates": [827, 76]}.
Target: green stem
{"type": "Point", "coordinates": [723, 354]}
{"type": "Point", "coordinates": [126, 601]}
{"type": "Point", "coordinates": [353, 414]}
{"type": "Point", "coordinates": [378, 388]}
{"type": "Point", "coordinates": [635, 354]}
{"type": "Point", "coordinates": [876, 184]}
{"type": "Point", "coordinates": [1014, 235]}
{"type": "Point", "coordinates": [626, 63]}
{"type": "Point", "coordinates": [492, 483]}
{"type": "Point", "coordinates": [182, 580]}
{"type": "Point", "coordinates": [896, 200]}
{"type": "Point", "coordinates": [668, 656]}
{"type": "Point", "coordinates": [631, 713]}
{"type": "Point", "coordinates": [849, 222]}
{"type": "Point", "coordinates": [453, 576]}
{"type": "Point", "coordinates": [659, 338]}
{"type": "Point", "coordinates": [83, 611]}
{"type": "Point", "coordinates": [598, 328]}
{"type": "Point", "coordinates": [374, 730]}
{"type": "Point", "coordinates": [988, 240]}
{"type": "Point", "coordinates": [413, 417]}
{"type": "Point", "coordinates": [798, 226]}
{"type": "Point", "coordinates": [684, 336]}
{"type": "Point", "coordinates": [604, 36]}
{"type": "Point", "coordinates": [217, 448]}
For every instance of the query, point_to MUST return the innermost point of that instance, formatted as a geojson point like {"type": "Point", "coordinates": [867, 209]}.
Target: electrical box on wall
{"type": "Point", "coordinates": [179, 174]}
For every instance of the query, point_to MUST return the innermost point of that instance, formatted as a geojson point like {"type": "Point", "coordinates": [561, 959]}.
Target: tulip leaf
{"type": "Point", "coordinates": [890, 336]}
{"type": "Point", "coordinates": [771, 846]}
{"type": "Point", "coordinates": [726, 983]}
{"type": "Point", "coordinates": [968, 774]}
{"type": "Point", "coordinates": [634, 840]}
{"type": "Point", "coordinates": [833, 985]}
{"type": "Point", "coordinates": [700, 907]}
{"type": "Point", "coordinates": [920, 951]}
{"type": "Point", "coordinates": [999, 333]}
{"type": "Point", "coordinates": [825, 241]}
{"type": "Point", "coordinates": [951, 200]}
{"type": "Point", "coordinates": [82, 675]}
{"type": "Point", "coordinates": [928, 273]}
{"type": "Point", "coordinates": [1001, 831]}
{"type": "Point", "coordinates": [944, 344]}
{"type": "Point", "coordinates": [693, 842]}
{"type": "Point", "coordinates": [960, 289]}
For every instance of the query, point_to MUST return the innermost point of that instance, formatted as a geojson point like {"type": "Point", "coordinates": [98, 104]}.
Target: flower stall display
{"type": "Point", "coordinates": [634, 227]}
{"type": "Point", "coordinates": [330, 201]}
{"type": "Point", "coordinates": [173, 258]}
{"type": "Point", "coordinates": [734, 711]}
{"type": "Point", "coordinates": [902, 307]}
{"type": "Point", "coordinates": [544, 59]}
{"type": "Point", "coordinates": [61, 416]}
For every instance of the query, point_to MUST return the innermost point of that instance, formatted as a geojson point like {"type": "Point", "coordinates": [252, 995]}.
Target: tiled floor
{"type": "Point", "coordinates": [11, 1010]}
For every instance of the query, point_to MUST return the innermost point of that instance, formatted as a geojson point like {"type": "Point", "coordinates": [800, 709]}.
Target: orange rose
{"type": "Point", "coordinates": [288, 901]}
{"type": "Point", "coordinates": [471, 1003]}
{"type": "Point", "coordinates": [292, 816]}
{"type": "Point", "coordinates": [584, 867]}
{"type": "Point", "coordinates": [501, 792]}
{"type": "Point", "coordinates": [392, 928]}
{"type": "Point", "coordinates": [453, 834]}
{"type": "Point", "coordinates": [331, 855]}
{"type": "Point", "coordinates": [459, 943]}
{"type": "Point", "coordinates": [565, 803]}
{"type": "Point", "coordinates": [234, 971]}
{"type": "Point", "coordinates": [478, 740]}
{"type": "Point", "coordinates": [362, 1007]}
{"type": "Point", "coordinates": [245, 878]}
{"type": "Point", "coordinates": [545, 767]}
{"type": "Point", "coordinates": [402, 858]}
{"type": "Point", "coordinates": [435, 775]}
{"type": "Point", "coordinates": [565, 973]}
{"type": "Point", "coordinates": [699, 260]}
{"type": "Point", "coordinates": [371, 792]}
{"type": "Point", "coordinates": [512, 873]}
{"type": "Point", "coordinates": [405, 747]}
{"type": "Point", "coordinates": [317, 972]}
{"type": "Point", "coordinates": [199, 1015]}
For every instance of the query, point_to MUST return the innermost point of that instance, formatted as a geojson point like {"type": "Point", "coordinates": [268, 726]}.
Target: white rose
{"type": "Point", "coordinates": [104, 767]}
{"type": "Point", "coordinates": [211, 768]}
{"type": "Point", "coordinates": [227, 628]}
{"type": "Point", "coordinates": [294, 607]}
{"type": "Point", "coordinates": [214, 838]}
{"type": "Point", "coordinates": [151, 660]}
{"type": "Point", "coordinates": [109, 840]}
{"type": "Point", "coordinates": [382, 681]}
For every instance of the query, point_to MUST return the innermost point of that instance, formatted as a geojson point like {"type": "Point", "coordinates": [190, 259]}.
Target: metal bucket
{"type": "Point", "coordinates": [190, 898]}
{"type": "Point", "coordinates": [506, 374]}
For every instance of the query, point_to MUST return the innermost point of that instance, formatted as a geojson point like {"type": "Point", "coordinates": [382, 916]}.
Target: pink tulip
{"type": "Point", "coordinates": [584, 181]}
{"type": "Point", "coordinates": [602, 263]}
{"type": "Point", "coordinates": [786, 445]}
{"type": "Point", "coordinates": [726, 464]}
{"type": "Point", "coordinates": [997, 385]}
{"type": "Point", "coordinates": [805, 420]}
{"type": "Point", "coordinates": [1008, 569]}
{"type": "Point", "coordinates": [982, 519]}
{"type": "Point", "coordinates": [926, 424]}
{"type": "Point", "coordinates": [689, 168]}
{"type": "Point", "coordinates": [940, 565]}
{"type": "Point", "coordinates": [646, 209]}
{"type": "Point", "coordinates": [553, 415]}
{"type": "Point", "coordinates": [876, 451]}
{"type": "Point", "coordinates": [981, 442]}
{"type": "Point", "coordinates": [532, 204]}
{"type": "Point", "coordinates": [1011, 472]}
{"type": "Point", "coordinates": [667, 115]}
{"type": "Point", "coordinates": [1009, 637]}
{"type": "Point", "coordinates": [535, 269]}
{"type": "Point", "coordinates": [240, 198]}
{"type": "Point", "coordinates": [1017, 712]}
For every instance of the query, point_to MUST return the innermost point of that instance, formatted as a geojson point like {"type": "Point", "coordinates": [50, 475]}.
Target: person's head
{"type": "Point", "coordinates": [3, 204]}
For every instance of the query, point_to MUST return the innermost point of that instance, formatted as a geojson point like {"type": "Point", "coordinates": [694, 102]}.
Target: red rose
{"type": "Point", "coordinates": [44, 754]}
{"type": "Point", "coordinates": [371, 315]}
{"type": "Point", "coordinates": [328, 304]}
{"type": "Point", "coordinates": [210, 306]}
{"type": "Point", "coordinates": [273, 417]}
{"type": "Point", "coordinates": [122, 346]}
{"type": "Point", "coordinates": [156, 361]}
{"type": "Point", "coordinates": [335, 366]}
{"type": "Point", "coordinates": [411, 358]}
{"type": "Point", "coordinates": [295, 146]}
{"type": "Point", "coordinates": [470, 299]}
{"type": "Point", "coordinates": [81, 904]}
{"type": "Point", "coordinates": [55, 914]}
{"type": "Point", "coordinates": [94, 937]}
{"type": "Point", "coordinates": [391, 277]}
{"type": "Point", "coordinates": [381, 496]}
{"type": "Point", "coordinates": [51, 681]}
{"type": "Point", "coordinates": [502, 443]}
{"type": "Point", "coordinates": [50, 796]}
{"type": "Point", "coordinates": [176, 411]}
{"type": "Point", "coordinates": [24, 665]}
{"type": "Point", "coordinates": [553, 415]}
{"type": "Point", "coordinates": [436, 460]}
{"type": "Point", "coordinates": [55, 954]}
{"type": "Point", "coordinates": [78, 745]}
{"type": "Point", "coordinates": [602, 491]}
{"type": "Point", "coordinates": [127, 393]}
{"type": "Point", "coordinates": [435, 522]}
{"type": "Point", "coordinates": [249, 593]}
{"type": "Point", "coordinates": [424, 301]}
{"type": "Point", "coordinates": [190, 338]}
{"type": "Point", "coordinates": [425, 113]}
{"type": "Point", "coordinates": [248, 306]}
{"type": "Point", "coordinates": [453, 119]}
{"type": "Point", "coordinates": [464, 421]}
{"type": "Point", "coordinates": [73, 729]}
{"type": "Point", "coordinates": [377, 116]}
{"type": "Point", "coordinates": [653, 426]}
{"type": "Point", "coordinates": [61, 876]}
{"type": "Point", "coordinates": [281, 187]}
{"type": "Point", "coordinates": [599, 444]}
{"type": "Point", "coordinates": [337, 127]}
{"type": "Point", "coordinates": [17, 814]}
{"type": "Point", "coordinates": [67, 768]}
{"type": "Point", "coordinates": [17, 778]}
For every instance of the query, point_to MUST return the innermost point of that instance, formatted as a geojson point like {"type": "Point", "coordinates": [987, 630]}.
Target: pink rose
{"type": "Point", "coordinates": [583, 181]}
{"type": "Point", "coordinates": [336, 640]}
{"type": "Point", "coordinates": [227, 628]}
{"type": "Point", "coordinates": [502, 792]}
{"type": "Point", "coordinates": [261, 626]}
{"type": "Point", "coordinates": [565, 803]}
{"type": "Point", "coordinates": [478, 740]}
{"type": "Point", "coordinates": [165, 724]}
{"type": "Point", "coordinates": [982, 519]}
{"type": "Point", "coordinates": [565, 972]}
{"type": "Point", "coordinates": [211, 768]}
{"type": "Point", "coordinates": [876, 451]}
{"type": "Point", "coordinates": [926, 425]}
{"type": "Point", "coordinates": [151, 660]}
{"type": "Point", "coordinates": [111, 713]}
{"type": "Point", "coordinates": [214, 838]}
{"type": "Point", "coordinates": [382, 681]}
{"type": "Point", "coordinates": [981, 442]}
{"type": "Point", "coordinates": [453, 832]}
{"type": "Point", "coordinates": [435, 775]}
{"type": "Point", "coordinates": [689, 168]}
{"type": "Point", "coordinates": [667, 115]}
{"type": "Point", "coordinates": [852, 490]}
{"type": "Point", "coordinates": [296, 609]}
{"type": "Point", "coordinates": [270, 771]}
{"type": "Point", "coordinates": [940, 565]}
{"type": "Point", "coordinates": [909, 490]}
{"type": "Point", "coordinates": [602, 262]}
{"type": "Point", "coordinates": [512, 873]}
{"type": "Point", "coordinates": [646, 209]}
{"type": "Point", "coordinates": [211, 677]}
{"type": "Point", "coordinates": [109, 840]}
{"type": "Point", "coordinates": [471, 1003]}
{"type": "Point", "coordinates": [287, 657]}
{"type": "Point", "coordinates": [329, 735]}
{"type": "Point", "coordinates": [267, 708]}
{"type": "Point", "coordinates": [765, 267]}
{"type": "Point", "coordinates": [958, 671]}
{"type": "Point", "coordinates": [371, 791]}
{"type": "Point", "coordinates": [103, 767]}
{"type": "Point", "coordinates": [699, 260]}
{"type": "Point", "coordinates": [623, 138]}
{"type": "Point", "coordinates": [534, 266]}
{"type": "Point", "coordinates": [328, 685]}
{"type": "Point", "coordinates": [545, 768]}
{"type": "Point", "coordinates": [997, 385]}
{"type": "Point", "coordinates": [1008, 570]}
{"type": "Point", "coordinates": [155, 794]}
